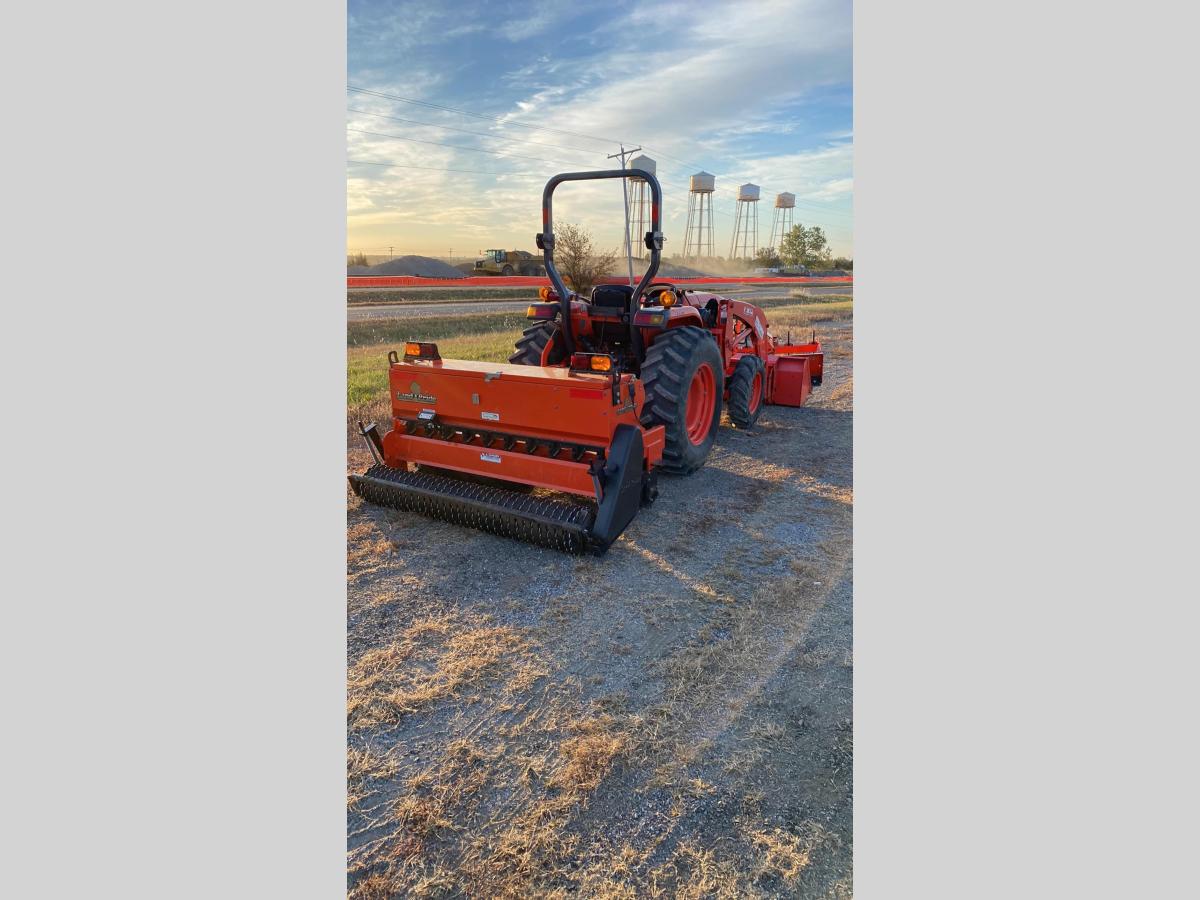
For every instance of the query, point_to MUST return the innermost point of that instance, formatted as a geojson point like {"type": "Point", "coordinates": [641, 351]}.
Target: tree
{"type": "Point", "coordinates": [805, 247]}
{"type": "Point", "coordinates": [766, 258]}
{"type": "Point", "coordinates": [357, 259]}
{"type": "Point", "coordinates": [577, 259]}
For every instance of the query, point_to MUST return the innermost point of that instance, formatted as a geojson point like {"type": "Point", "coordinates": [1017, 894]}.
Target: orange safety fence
{"type": "Point", "coordinates": [365, 281]}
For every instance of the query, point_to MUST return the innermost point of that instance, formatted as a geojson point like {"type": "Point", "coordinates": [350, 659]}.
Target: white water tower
{"type": "Point", "coordinates": [640, 201]}
{"type": "Point", "coordinates": [698, 240]}
{"type": "Point", "coordinates": [745, 224]}
{"type": "Point", "coordinates": [785, 208]}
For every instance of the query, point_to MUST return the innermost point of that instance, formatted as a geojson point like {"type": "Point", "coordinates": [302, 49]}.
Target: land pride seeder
{"type": "Point", "coordinates": [563, 444]}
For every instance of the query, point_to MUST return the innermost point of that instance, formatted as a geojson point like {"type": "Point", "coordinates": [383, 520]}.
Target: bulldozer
{"type": "Point", "coordinates": [508, 262]}
{"type": "Point", "coordinates": [562, 445]}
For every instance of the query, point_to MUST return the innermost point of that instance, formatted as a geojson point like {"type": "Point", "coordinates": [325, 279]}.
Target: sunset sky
{"type": "Point", "coordinates": [757, 91]}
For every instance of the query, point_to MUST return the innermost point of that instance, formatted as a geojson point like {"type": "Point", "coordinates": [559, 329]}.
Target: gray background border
{"type": "Point", "coordinates": [173, 633]}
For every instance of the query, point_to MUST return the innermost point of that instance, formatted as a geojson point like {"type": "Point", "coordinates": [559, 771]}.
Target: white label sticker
{"type": "Point", "coordinates": [491, 417]}
{"type": "Point", "coordinates": [489, 457]}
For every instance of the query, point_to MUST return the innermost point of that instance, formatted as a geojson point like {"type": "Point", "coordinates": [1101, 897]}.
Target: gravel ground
{"type": "Point", "coordinates": [672, 718]}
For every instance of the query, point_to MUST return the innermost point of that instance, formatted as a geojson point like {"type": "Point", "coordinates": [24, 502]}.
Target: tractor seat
{"type": "Point", "coordinates": [709, 313]}
{"type": "Point", "coordinates": [613, 296]}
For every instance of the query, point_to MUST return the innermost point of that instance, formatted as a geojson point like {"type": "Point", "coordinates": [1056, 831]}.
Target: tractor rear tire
{"type": "Point", "coordinates": [746, 391]}
{"type": "Point", "coordinates": [685, 381]}
{"type": "Point", "coordinates": [532, 344]}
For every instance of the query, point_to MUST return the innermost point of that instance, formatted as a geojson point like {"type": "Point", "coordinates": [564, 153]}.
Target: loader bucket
{"type": "Point", "coordinates": [548, 456]}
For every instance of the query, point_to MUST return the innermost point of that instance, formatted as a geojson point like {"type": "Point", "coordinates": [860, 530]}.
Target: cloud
{"type": "Point", "coordinates": [756, 91]}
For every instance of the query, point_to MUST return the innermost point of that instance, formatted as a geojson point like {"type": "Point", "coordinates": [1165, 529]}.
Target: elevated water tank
{"type": "Point", "coordinates": [643, 162]}
{"type": "Point", "coordinates": [748, 192]}
{"type": "Point", "coordinates": [785, 201]}
{"type": "Point", "coordinates": [703, 183]}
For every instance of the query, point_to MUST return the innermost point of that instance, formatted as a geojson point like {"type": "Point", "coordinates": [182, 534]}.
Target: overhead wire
{"type": "Point", "coordinates": [503, 154]}
{"type": "Point", "coordinates": [465, 112]}
{"type": "Point", "coordinates": [388, 165]}
{"type": "Point", "coordinates": [806, 206]}
{"type": "Point", "coordinates": [476, 133]}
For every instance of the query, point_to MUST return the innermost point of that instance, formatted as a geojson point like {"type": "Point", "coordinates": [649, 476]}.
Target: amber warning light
{"type": "Point", "coordinates": [594, 362]}
{"type": "Point", "coordinates": [421, 350]}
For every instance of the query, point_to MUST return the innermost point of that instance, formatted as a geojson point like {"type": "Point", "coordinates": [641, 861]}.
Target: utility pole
{"type": "Point", "coordinates": [390, 249]}
{"type": "Point", "coordinates": [625, 194]}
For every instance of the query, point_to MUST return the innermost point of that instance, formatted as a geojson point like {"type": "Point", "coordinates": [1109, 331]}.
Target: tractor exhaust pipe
{"type": "Point", "coordinates": [653, 240]}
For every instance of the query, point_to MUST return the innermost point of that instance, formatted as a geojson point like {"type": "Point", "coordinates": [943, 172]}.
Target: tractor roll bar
{"type": "Point", "coordinates": [653, 240]}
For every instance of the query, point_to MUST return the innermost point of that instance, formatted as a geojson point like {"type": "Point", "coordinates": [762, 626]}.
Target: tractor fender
{"type": "Point", "coordinates": [677, 317]}
{"type": "Point", "coordinates": [625, 487]}
{"type": "Point", "coordinates": [684, 315]}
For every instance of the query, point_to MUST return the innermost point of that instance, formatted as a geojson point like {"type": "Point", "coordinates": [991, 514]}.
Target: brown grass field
{"type": "Point", "coordinates": [673, 719]}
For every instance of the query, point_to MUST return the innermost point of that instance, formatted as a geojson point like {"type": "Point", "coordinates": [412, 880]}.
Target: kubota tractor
{"type": "Point", "coordinates": [563, 444]}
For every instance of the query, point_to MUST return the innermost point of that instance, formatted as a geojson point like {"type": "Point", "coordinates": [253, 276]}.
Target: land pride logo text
{"type": "Point", "coordinates": [416, 395]}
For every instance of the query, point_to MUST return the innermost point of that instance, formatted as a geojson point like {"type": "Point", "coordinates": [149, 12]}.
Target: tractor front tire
{"type": "Point", "coordinates": [746, 391]}
{"type": "Point", "coordinates": [506, 271]}
{"type": "Point", "coordinates": [531, 346]}
{"type": "Point", "coordinates": [685, 381]}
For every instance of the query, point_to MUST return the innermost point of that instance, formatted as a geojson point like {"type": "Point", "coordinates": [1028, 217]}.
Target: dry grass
{"type": "Point", "coordinates": [806, 314]}
{"type": "Point", "coordinates": [695, 872]}
{"type": "Point", "coordinates": [490, 337]}
{"type": "Point", "coordinates": [432, 659]}
{"type": "Point", "coordinates": [367, 763]}
{"type": "Point", "coordinates": [399, 297]}
{"type": "Point", "coordinates": [489, 815]}
{"type": "Point", "coordinates": [808, 296]}
{"type": "Point", "coordinates": [567, 753]}
{"type": "Point", "coordinates": [758, 863]}
{"type": "Point", "coordinates": [782, 855]}
{"type": "Point", "coordinates": [589, 753]}
{"type": "Point", "coordinates": [492, 813]}
{"type": "Point", "coordinates": [785, 855]}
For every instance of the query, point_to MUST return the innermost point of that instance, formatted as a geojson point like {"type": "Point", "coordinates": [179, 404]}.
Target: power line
{"type": "Point", "coordinates": [466, 112]}
{"type": "Point", "coordinates": [397, 137]}
{"type": "Point", "coordinates": [502, 120]}
{"type": "Point", "coordinates": [733, 192]}
{"type": "Point", "coordinates": [806, 204]}
{"type": "Point", "coordinates": [468, 131]}
{"type": "Point", "coordinates": [363, 162]}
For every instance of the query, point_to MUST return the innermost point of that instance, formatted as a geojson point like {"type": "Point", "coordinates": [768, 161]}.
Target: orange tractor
{"type": "Point", "coordinates": [563, 444]}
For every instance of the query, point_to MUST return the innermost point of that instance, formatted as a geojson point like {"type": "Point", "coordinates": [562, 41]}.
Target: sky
{"type": "Point", "coordinates": [755, 92]}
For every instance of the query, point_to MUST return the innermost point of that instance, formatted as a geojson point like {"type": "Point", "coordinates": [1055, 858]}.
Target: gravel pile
{"type": "Point", "coordinates": [679, 271]}
{"type": "Point", "coordinates": [421, 266]}
{"type": "Point", "coordinates": [665, 269]}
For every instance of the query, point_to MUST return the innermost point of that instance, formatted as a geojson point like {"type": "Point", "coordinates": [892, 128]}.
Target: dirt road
{"type": "Point", "coordinates": [671, 719]}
